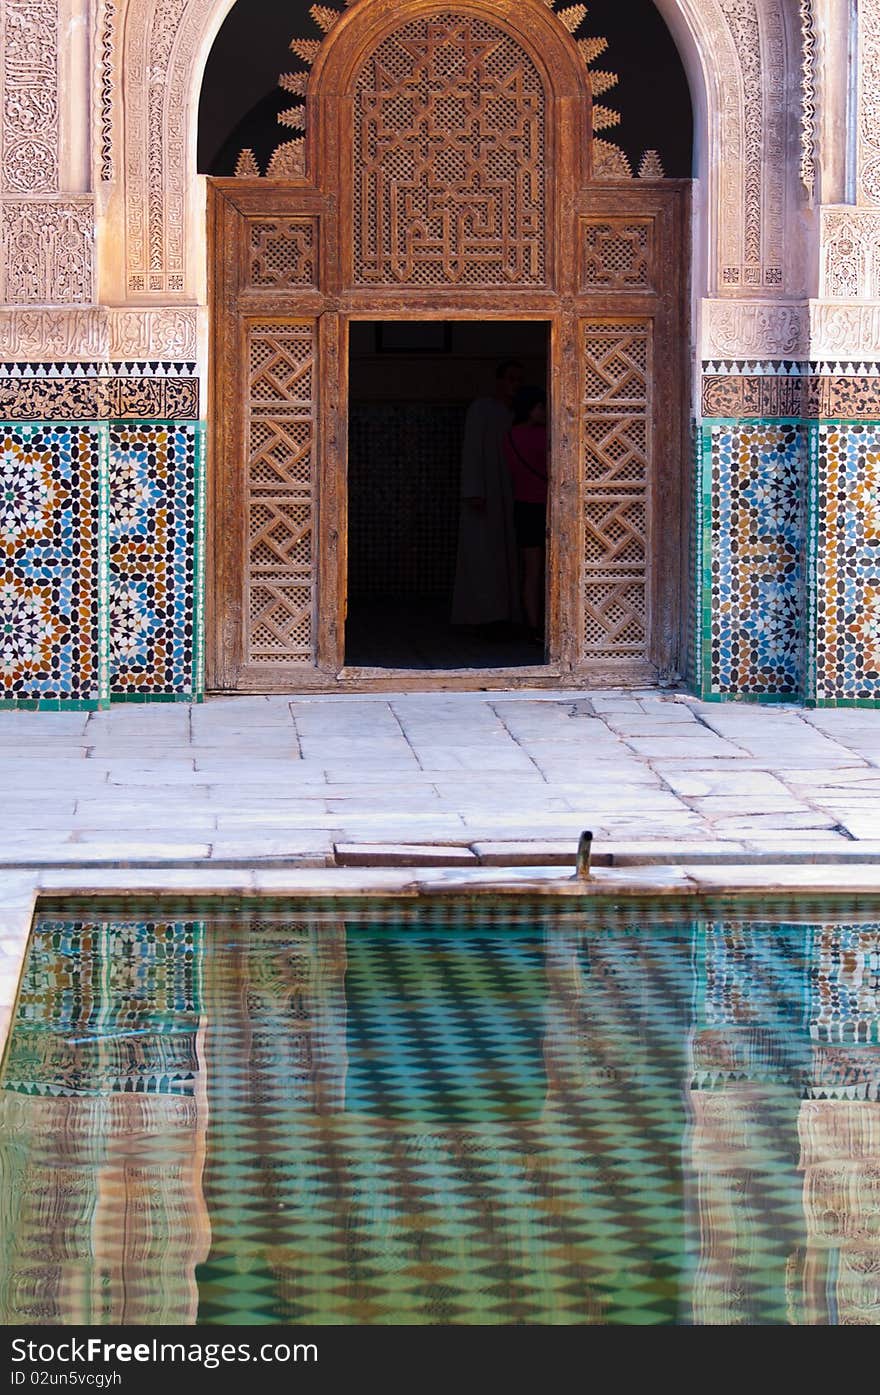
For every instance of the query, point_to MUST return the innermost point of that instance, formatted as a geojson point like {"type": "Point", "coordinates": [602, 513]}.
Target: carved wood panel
{"type": "Point", "coordinates": [283, 252]}
{"type": "Point", "coordinates": [617, 253]}
{"type": "Point", "coordinates": [280, 494]}
{"type": "Point", "coordinates": [616, 436]}
{"type": "Point", "coordinates": [378, 227]}
{"type": "Point", "coordinates": [448, 159]}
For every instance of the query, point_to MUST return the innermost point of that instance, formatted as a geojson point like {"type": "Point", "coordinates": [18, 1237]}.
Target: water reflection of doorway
{"type": "Point", "coordinates": [410, 386]}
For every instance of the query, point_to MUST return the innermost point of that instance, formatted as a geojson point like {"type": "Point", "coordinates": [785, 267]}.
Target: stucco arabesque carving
{"type": "Point", "coordinates": [840, 330]}
{"type": "Point", "coordinates": [850, 266]}
{"type": "Point", "coordinates": [49, 251]}
{"type": "Point", "coordinates": [753, 329]}
{"type": "Point", "coordinates": [800, 331]}
{"type": "Point", "coordinates": [869, 102]}
{"type": "Point", "coordinates": [29, 138]}
{"type": "Point", "coordinates": [96, 332]}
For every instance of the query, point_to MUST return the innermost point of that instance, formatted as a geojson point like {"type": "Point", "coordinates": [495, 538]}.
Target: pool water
{"type": "Point", "coordinates": [444, 1113]}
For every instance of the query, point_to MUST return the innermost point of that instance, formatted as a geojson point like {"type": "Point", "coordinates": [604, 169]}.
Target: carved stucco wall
{"type": "Point", "coordinates": [146, 63]}
{"type": "Point", "coordinates": [775, 275]}
{"type": "Point", "coordinates": [742, 54]}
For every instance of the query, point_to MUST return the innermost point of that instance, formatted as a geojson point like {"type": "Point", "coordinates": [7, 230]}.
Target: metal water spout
{"type": "Point", "coordinates": [585, 848]}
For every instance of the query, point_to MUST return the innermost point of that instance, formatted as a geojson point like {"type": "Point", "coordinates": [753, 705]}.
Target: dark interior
{"type": "Point", "coordinates": [410, 386]}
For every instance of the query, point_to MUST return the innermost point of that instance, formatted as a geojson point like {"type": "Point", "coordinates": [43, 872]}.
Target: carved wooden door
{"type": "Point", "coordinates": [446, 175]}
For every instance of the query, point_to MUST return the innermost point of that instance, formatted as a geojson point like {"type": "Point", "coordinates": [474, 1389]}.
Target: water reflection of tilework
{"type": "Point", "coordinates": [753, 973]}
{"type": "Point", "coordinates": [154, 542]}
{"type": "Point", "coordinates": [487, 1132]}
{"type": "Point", "coordinates": [111, 1006]}
{"type": "Point", "coordinates": [427, 1114]}
{"type": "Point", "coordinates": [845, 524]}
{"type": "Point", "coordinates": [845, 978]}
{"type": "Point", "coordinates": [753, 559]}
{"type": "Point", "coordinates": [52, 564]}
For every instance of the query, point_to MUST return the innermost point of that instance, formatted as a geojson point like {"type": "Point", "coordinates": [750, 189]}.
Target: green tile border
{"type": "Point", "coordinates": [704, 549]}
{"type": "Point", "coordinates": [104, 566]}
{"type": "Point", "coordinates": [198, 668]}
{"type": "Point", "coordinates": [695, 560]}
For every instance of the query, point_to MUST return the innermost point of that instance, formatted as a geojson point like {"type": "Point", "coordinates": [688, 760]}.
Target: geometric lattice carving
{"type": "Point", "coordinates": [449, 158]}
{"type": "Point", "coordinates": [283, 252]}
{"type": "Point", "coordinates": [616, 462]}
{"type": "Point", "coordinates": [279, 506]}
{"type": "Point", "coordinates": [617, 253]}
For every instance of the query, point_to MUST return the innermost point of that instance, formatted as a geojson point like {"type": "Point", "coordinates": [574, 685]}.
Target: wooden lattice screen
{"type": "Point", "coordinates": [279, 570]}
{"type": "Point", "coordinates": [616, 368]}
{"type": "Point", "coordinates": [448, 159]}
{"type": "Point", "coordinates": [445, 174]}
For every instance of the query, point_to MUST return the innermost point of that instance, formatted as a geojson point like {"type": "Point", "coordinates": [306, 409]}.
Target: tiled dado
{"type": "Point", "coordinates": [790, 564]}
{"type": "Point", "coordinates": [789, 501]}
{"type": "Point", "coordinates": [844, 552]}
{"type": "Point", "coordinates": [155, 559]}
{"type": "Point", "coordinates": [100, 562]}
{"type": "Point", "coordinates": [54, 491]}
{"type": "Point", "coordinates": [99, 391]}
{"type": "Point", "coordinates": [752, 523]}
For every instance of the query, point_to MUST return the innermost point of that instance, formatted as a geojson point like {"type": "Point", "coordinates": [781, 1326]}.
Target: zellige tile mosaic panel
{"type": "Point", "coordinates": [53, 521]}
{"type": "Point", "coordinates": [753, 559]}
{"type": "Point", "coordinates": [154, 542]}
{"type": "Point", "coordinates": [845, 529]}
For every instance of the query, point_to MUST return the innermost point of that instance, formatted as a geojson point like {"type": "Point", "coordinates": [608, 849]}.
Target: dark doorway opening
{"type": "Point", "coordinates": [411, 385]}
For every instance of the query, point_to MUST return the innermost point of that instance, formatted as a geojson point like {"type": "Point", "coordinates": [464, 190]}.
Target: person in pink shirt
{"type": "Point", "coordinates": [525, 454]}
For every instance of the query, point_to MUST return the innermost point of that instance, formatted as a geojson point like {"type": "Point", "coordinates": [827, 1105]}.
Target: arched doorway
{"type": "Point", "coordinates": [448, 176]}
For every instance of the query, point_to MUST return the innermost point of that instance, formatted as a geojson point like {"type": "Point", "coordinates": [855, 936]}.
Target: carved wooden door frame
{"type": "Point", "coordinates": [289, 274]}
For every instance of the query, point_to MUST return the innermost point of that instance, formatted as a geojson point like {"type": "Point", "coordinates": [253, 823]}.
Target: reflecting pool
{"type": "Point", "coordinates": [444, 1112]}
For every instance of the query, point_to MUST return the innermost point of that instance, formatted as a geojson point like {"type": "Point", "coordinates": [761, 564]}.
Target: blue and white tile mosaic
{"type": "Point", "coordinates": [753, 559]}
{"type": "Point", "coordinates": [100, 562]}
{"type": "Point", "coordinates": [845, 539]}
{"type": "Point", "coordinates": [53, 549]}
{"type": "Point", "coordinates": [154, 543]}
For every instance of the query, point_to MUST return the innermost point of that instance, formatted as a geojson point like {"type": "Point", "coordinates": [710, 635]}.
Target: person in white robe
{"type": "Point", "coordinates": [486, 590]}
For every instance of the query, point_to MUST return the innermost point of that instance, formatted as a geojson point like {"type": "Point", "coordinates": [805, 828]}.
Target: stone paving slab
{"type": "Point", "coordinates": [289, 775]}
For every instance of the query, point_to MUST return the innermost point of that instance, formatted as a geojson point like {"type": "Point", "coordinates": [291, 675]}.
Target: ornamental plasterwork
{"type": "Point", "coordinates": [869, 102]}
{"type": "Point", "coordinates": [850, 254]}
{"type": "Point", "coordinates": [29, 80]}
{"type": "Point", "coordinates": [42, 335]}
{"type": "Point", "coordinates": [108, 43]}
{"type": "Point", "coordinates": [845, 331]}
{"type": "Point", "coordinates": [46, 335]}
{"type": "Point", "coordinates": [753, 197]}
{"type": "Point", "coordinates": [754, 329]}
{"type": "Point", "coordinates": [167, 333]}
{"type": "Point", "coordinates": [744, 52]}
{"type": "Point", "coordinates": [49, 251]}
{"type": "Point", "coordinates": [808, 96]}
